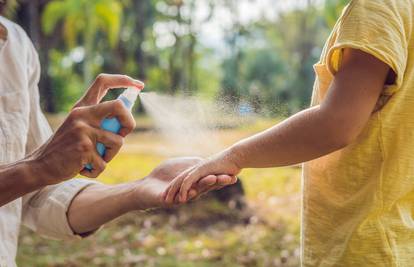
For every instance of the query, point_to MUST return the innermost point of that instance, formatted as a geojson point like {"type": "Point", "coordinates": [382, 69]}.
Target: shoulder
{"type": "Point", "coordinates": [21, 49]}
{"type": "Point", "coordinates": [20, 39]}
{"type": "Point", "coordinates": [22, 46]}
{"type": "Point", "coordinates": [390, 5]}
{"type": "Point", "coordinates": [392, 14]}
{"type": "Point", "coordinates": [14, 30]}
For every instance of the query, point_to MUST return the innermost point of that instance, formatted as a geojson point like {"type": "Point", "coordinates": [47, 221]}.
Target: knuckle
{"type": "Point", "coordinates": [78, 127]}
{"type": "Point", "coordinates": [102, 166]}
{"type": "Point", "coordinates": [125, 78]}
{"type": "Point", "coordinates": [118, 106]}
{"type": "Point", "coordinates": [84, 145]}
{"type": "Point", "coordinates": [75, 112]}
{"type": "Point", "coordinates": [119, 141]}
{"type": "Point", "coordinates": [93, 174]}
{"type": "Point", "coordinates": [101, 78]}
{"type": "Point", "coordinates": [130, 124]}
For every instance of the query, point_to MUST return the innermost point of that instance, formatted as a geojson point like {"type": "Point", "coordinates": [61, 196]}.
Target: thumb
{"type": "Point", "coordinates": [105, 82]}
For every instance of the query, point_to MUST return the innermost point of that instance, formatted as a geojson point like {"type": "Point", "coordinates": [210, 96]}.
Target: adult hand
{"type": "Point", "coordinates": [74, 143]}
{"type": "Point", "coordinates": [148, 192]}
{"type": "Point", "coordinates": [219, 165]}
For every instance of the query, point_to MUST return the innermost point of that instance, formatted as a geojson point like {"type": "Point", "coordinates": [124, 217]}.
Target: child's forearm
{"type": "Point", "coordinates": [320, 130]}
{"type": "Point", "coordinates": [308, 135]}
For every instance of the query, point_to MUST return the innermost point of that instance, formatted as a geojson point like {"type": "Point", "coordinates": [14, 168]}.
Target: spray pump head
{"type": "Point", "coordinates": [131, 93]}
{"type": "Point", "coordinates": [129, 96]}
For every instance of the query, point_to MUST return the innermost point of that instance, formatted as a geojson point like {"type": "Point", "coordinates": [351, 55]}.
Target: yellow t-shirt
{"type": "Point", "coordinates": [358, 202]}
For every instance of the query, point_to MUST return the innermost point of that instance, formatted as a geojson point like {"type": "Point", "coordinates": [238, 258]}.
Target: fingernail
{"type": "Point", "coordinates": [192, 194]}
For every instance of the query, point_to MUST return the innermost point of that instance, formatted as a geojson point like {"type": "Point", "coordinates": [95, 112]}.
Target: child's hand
{"type": "Point", "coordinates": [221, 164]}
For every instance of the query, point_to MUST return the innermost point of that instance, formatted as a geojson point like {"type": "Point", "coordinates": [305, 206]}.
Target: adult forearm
{"type": "Point", "coordinates": [99, 204]}
{"type": "Point", "coordinates": [308, 135]}
{"type": "Point", "coordinates": [18, 179]}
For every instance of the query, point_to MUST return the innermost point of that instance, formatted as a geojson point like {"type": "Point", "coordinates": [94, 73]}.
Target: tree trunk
{"type": "Point", "coordinates": [28, 16]}
{"type": "Point", "coordinates": [88, 46]}
{"type": "Point", "coordinates": [142, 8]}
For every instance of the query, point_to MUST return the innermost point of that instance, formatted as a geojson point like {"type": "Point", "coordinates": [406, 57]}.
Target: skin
{"type": "Point", "coordinates": [99, 204]}
{"type": "Point", "coordinates": [73, 145]}
{"type": "Point", "coordinates": [308, 135]}
{"type": "Point", "coordinates": [3, 33]}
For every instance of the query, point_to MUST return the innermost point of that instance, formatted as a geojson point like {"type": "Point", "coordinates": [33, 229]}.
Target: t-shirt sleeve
{"type": "Point", "coordinates": [376, 27]}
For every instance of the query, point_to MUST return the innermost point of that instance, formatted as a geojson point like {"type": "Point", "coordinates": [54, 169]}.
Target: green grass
{"type": "Point", "coordinates": [203, 234]}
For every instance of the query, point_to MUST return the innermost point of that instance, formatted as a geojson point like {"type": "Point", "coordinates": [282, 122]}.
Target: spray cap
{"type": "Point", "coordinates": [129, 96]}
{"type": "Point", "coordinates": [131, 93]}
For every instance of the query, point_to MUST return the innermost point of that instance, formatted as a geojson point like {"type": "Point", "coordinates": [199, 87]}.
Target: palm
{"type": "Point", "coordinates": [150, 189]}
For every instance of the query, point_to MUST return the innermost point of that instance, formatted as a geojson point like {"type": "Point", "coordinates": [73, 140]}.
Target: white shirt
{"type": "Point", "coordinates": [23, 128]}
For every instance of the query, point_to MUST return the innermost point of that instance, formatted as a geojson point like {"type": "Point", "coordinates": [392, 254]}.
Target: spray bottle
{"type": "Point", "coordinates": [128, 98]}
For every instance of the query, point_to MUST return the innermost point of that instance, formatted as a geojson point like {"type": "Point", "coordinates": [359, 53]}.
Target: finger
{"type": "Point", "coordinates": [173, 190]}
{"type": "Point", "coordinates": [224, 180]}
{"type": "Point", "coordinates": [192, 178]}
{"type": "Point", "coordinates": [177, 200]}
{"type": "Point", "coordinates": [105, 82]}
{"type": "Point", "coordinates": [175, 186]}
{"type": "Point", "coordinates": [234, 179]}
{"type": "Point", "coordinates": [192, 194]}
{"type": "Point", "coordinates": [205, 183]}
{"type": "Point", "coordinates": [112, 142]}
{"type": "Point", "coordinates": [114, 108]}
{"type": "Point", "coordinates": [127, 129]}
{"type": "Point", "coordinates": [98, 166]}
{"type": "Point", "coordinates": [213, 182]}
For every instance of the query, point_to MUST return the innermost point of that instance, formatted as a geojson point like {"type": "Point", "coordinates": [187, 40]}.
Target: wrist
{"type": "Point", "coordinates": [143, 196]}
{"type": "Point", "coordinates": [17, 179]}
{"type": "Point", "coordinates": [29, 173]}
{"type": "Point", "coordinates": [36, 172]}
{"type": "Point", "coordinates": [235, 156]}
{"type": "Point", "coordinates": [126, 193]}
{"type": "Point", "coordinates": [133, 196]}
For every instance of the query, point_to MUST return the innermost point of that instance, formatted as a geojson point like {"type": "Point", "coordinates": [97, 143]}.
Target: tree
{"type": "Point", "coordinates": [83, 21]}
{"type": "Point", "coordinates": [333, 9]}
{"type": "Point", "coordinates": [27, 13]}
{"type": "Point", "coordinates": [231, 86]}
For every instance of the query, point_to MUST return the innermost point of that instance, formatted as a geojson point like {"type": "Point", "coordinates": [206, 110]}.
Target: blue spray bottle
{"type": "Point", "coordinates": [128, 97]}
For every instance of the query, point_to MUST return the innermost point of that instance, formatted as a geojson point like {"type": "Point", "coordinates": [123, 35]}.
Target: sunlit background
{"type": "Point", "coordinates": [255, 54]}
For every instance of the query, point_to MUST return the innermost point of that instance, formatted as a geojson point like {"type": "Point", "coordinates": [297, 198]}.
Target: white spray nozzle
{"type": "Point", "coordinates": [131, 93]}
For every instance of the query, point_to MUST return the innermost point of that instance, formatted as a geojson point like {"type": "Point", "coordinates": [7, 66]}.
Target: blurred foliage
{"type": "Point", "coordinates": [333, 9]}
{"type": "Point", "coordinates": [262, 61]}
{"type": "Point", "coordinates": [83, 21]}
